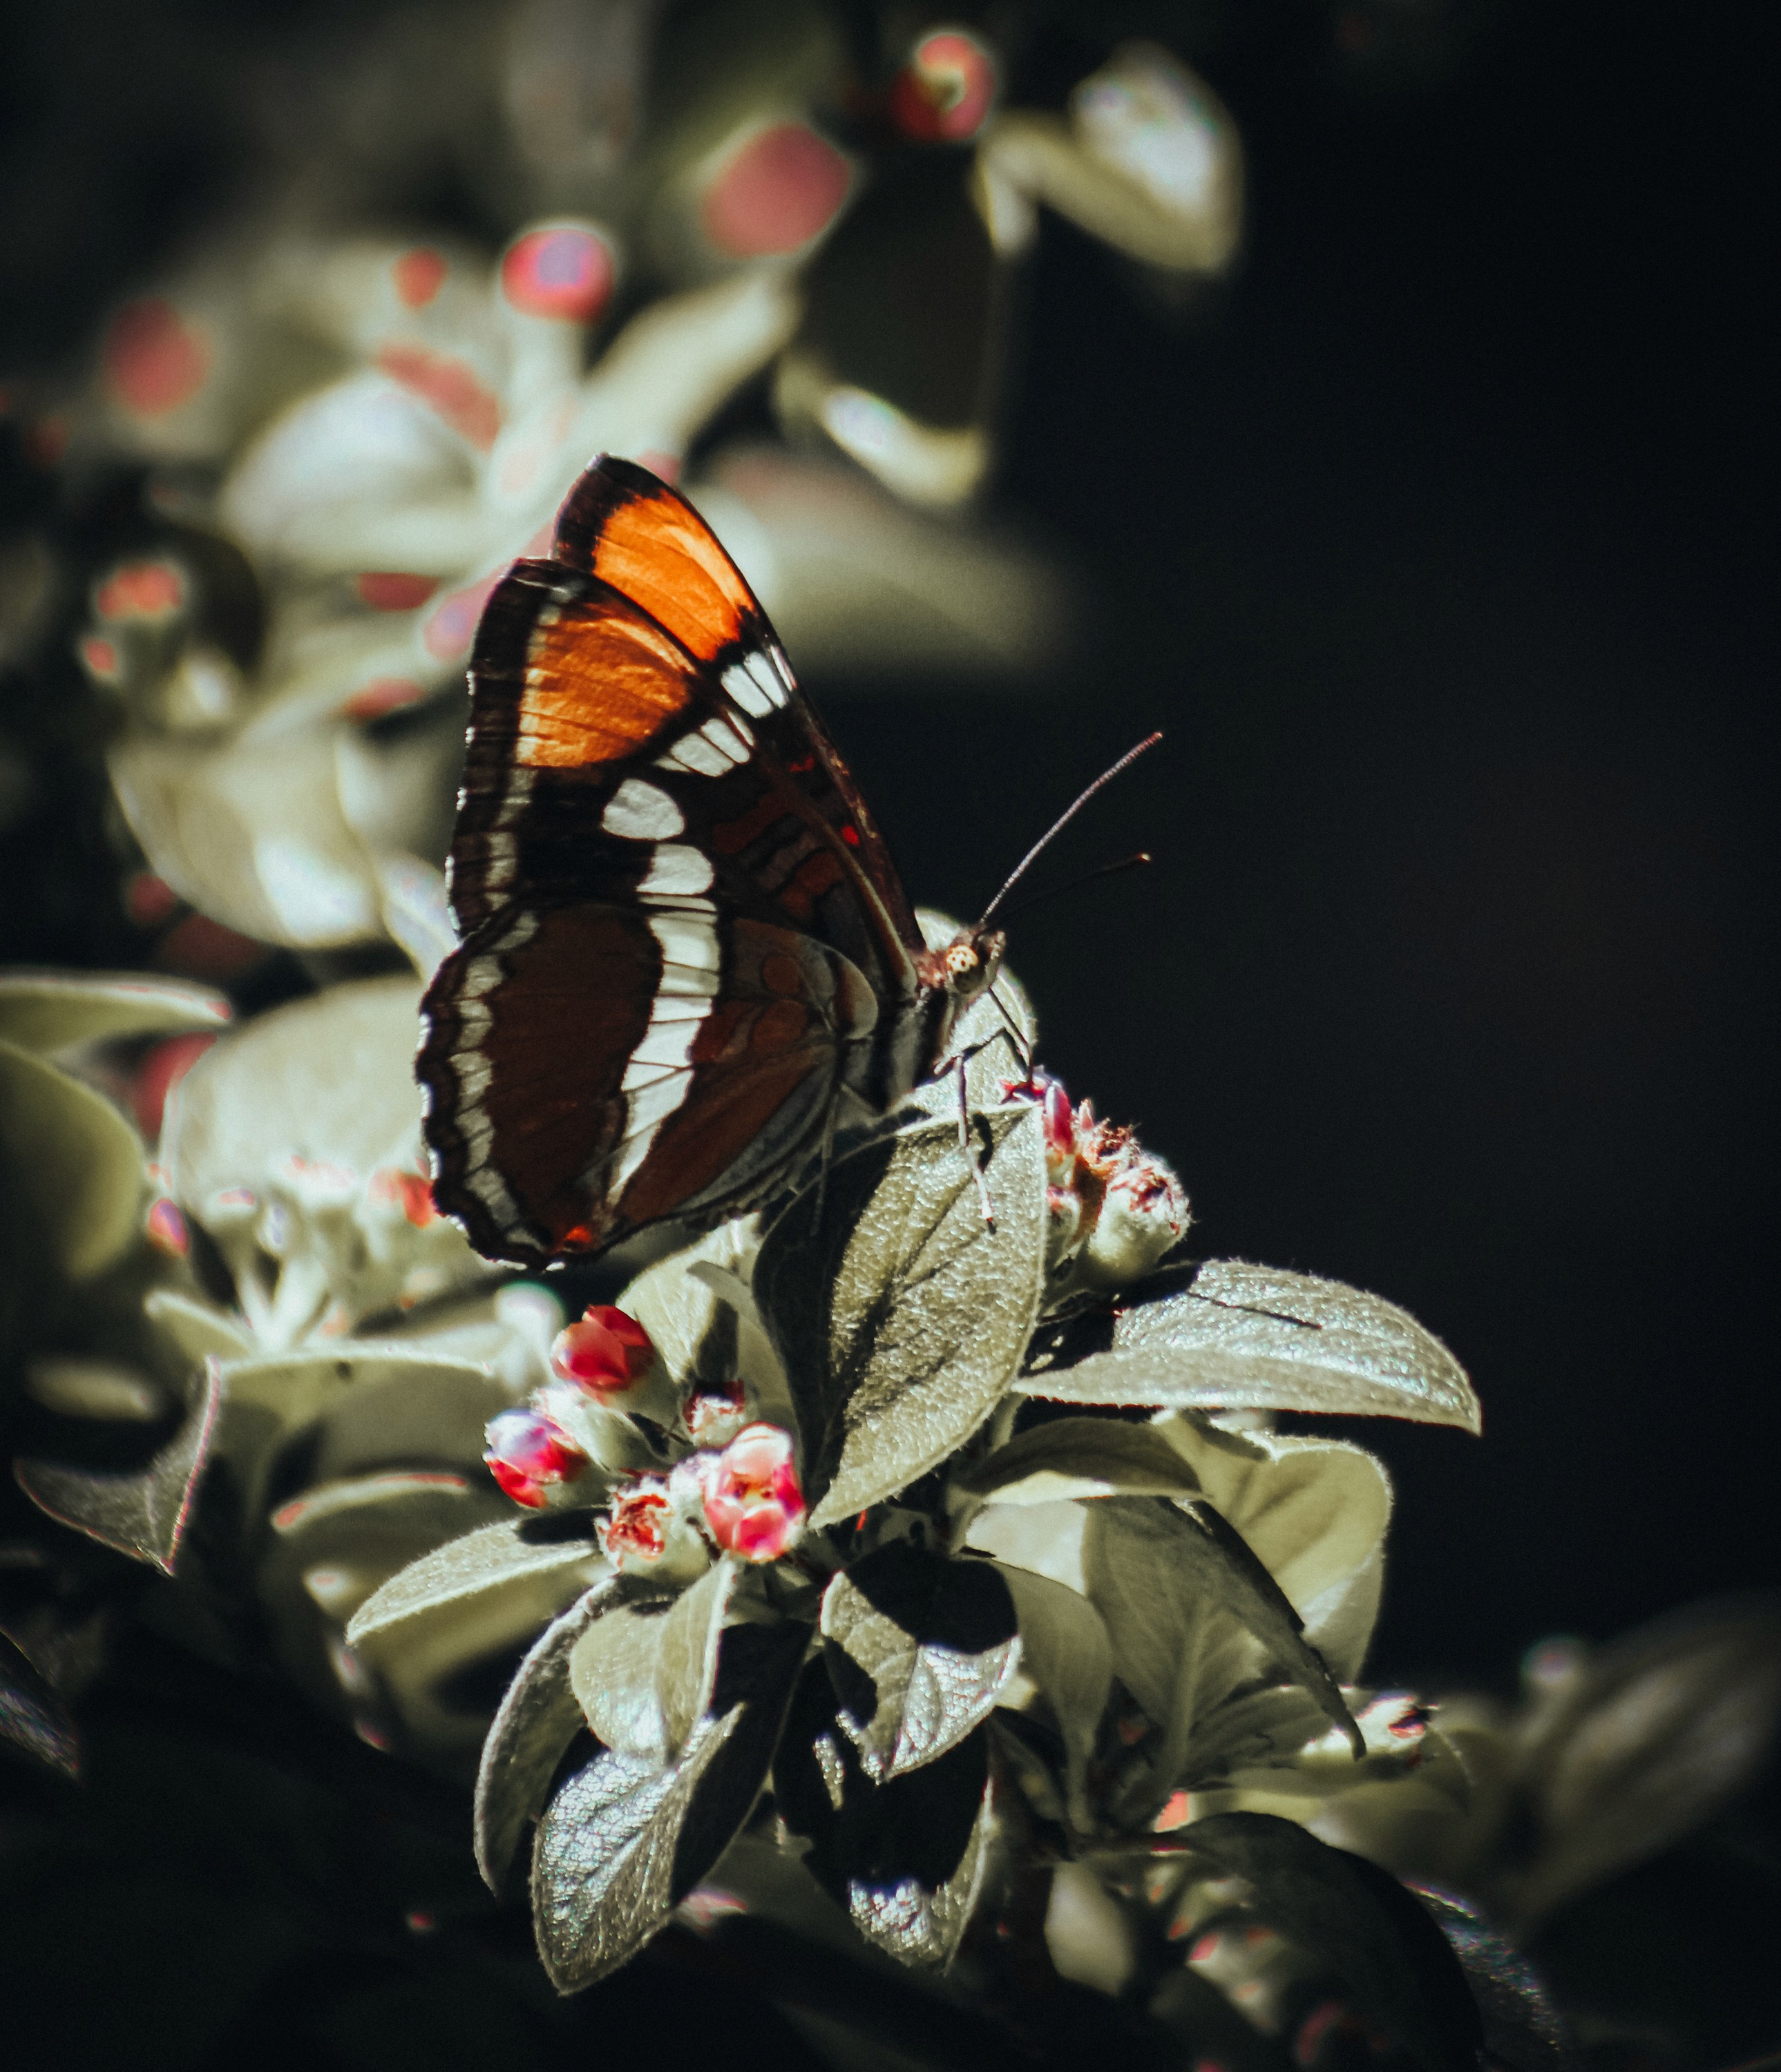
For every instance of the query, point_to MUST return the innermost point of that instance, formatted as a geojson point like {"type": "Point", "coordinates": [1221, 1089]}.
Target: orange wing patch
{"type": "Point", "coordinates": [599, 684]}
{"type": "Point", "coordinates": [632, 530]}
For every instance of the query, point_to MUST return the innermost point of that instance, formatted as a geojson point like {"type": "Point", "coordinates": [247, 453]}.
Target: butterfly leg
{"type": "Point", "coordinates": [969, 1151]}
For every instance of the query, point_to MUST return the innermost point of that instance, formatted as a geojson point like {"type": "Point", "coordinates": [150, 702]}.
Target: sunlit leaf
{"type": "Point", "coordinates": [644, 1673]}
{"type": "Point", "coordinates": [1046, 1538]}
{"type": "Point", "coordinates": [905, 1858]}
{"type": "Point", "coordinates": [920, 1648]}
{"type": "Point", "coordinates": [1348, 1913]}
{"type": "Point", "coordinates": [1082, 1457]}
{"type": "Point", "coordinates": [1656, 1732]}
{"type": "Point", "coordinates": [330, 1079]}
{"type": "Point", "coordinates": [1161, 1574]}
{"type": "Point", "coordinates": [900, 1316]}
{"type": "Point", "coordinates": [48, 1011]}
{"type": "Point", "coordinates": [1224, 1335]}
{"type": "Point", "coordinates": [625, 1838]}
{"type": "Point", "coordinates": [32, 1718]}
{"type": "Point", "coordinates": [72, 1162]}
{"type": "Point", "coordinates": [143, 1514]}
{"type": "Point", "coordinates": [536, 1720]}
{"type": "Point", "coordinates": [197, 1329]}
{"type": "Point", "coordinates": [1064, 1648]}
{"type": "Point", "coordinates": [547, 1561]}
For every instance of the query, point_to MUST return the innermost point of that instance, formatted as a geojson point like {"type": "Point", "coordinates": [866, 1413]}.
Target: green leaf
{"type": "Point", "coordinates": [197, 1329]}
{"type": "Point", "coordinates": [31, 1716]}
{"type": "Point", "coordinates": [1162, 1575]}
{"type": "Point", "coordinates": [1225, 1335]}
{"type": "Point", "coordinates": [142, 1514]}
{"type": "Point", "coordinates": [925, 1646]}
{"type": "Point", "coordinates": [1348, 1913]}
{"type": "Point", "coordinates": [536, 1720]}
{"type": "Point", "coordinates": [1524, 2031]}
{"type": "Point", "coordinates": [1065, 1649]}
{"type": "Point", "coordinates": [1081, 1456]}
{"type": "Point", "coordinates": [1314, 1511]}
{"type": "Point", "coordinates": [625, 1838]}
{"type": "Point", "coordinates": [73, 1163]}
{"type": "Point", "coordinates": [899, 1315]}
{"type": "Point", "coordinates": [329, 1079]}
{"type": "Point", "coordinates": [1655, 1732]}
{"type": "Point", "coordinates": [905, 1858]}
{"type": "Point", "coordinates": [49, 1010]}
{"type": "Point", "coordinates": [520, 1562]}
{"type": "Point", "coordinates": [643, 1674]}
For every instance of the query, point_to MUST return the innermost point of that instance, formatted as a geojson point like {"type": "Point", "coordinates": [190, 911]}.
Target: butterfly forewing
{"type": "Point", "coordinates": [684, 937]}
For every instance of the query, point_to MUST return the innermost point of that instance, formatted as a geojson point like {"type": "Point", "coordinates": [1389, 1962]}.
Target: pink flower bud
{"type": "Point", "coordinates": [604, 1352]}
{"type": "Point", "coordinates": [754, 1503]}
{"type": "Point", "coordinates": [1054, 1104]}
{"type": "Point", "coordinates": [634, 1534]}
{"type": "Point", "coordinates": [715, 1416]}
{"type": "Point", "coordinates": [1142, 1213]}
{"type": "Point", "coordinates": [529, 1454]}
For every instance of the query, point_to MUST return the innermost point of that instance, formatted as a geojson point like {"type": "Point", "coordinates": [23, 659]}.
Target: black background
{"type": "Point", "coordinates": [1441, 545]}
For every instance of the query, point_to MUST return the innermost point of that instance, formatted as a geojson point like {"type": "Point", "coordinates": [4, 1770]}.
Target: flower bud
{"type": "Point", "coordinates": [1142, 1213]}
{"type": "Point", "coordinates": [633, 1535]}
{"type": "Point", "coordinates": [754, 1503]}
{"type": "Point", "coordinates": [604, 1352]}
{"type": "Point", "coordinates": [529, 1454]}
{"type": "Point", "coordinates": [714, 1416]}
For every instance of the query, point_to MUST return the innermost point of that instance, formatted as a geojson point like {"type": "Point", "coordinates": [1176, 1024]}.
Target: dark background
{"type": "Point", "coordinates": [1441, 544]}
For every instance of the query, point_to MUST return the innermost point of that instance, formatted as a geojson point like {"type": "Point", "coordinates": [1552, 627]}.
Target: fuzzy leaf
{"type": "Point", "coordinates": [1374, 1936]}
{"type": "Point", "coordinates": [643, 1674]}
{"type": "Point", "coordinates": [1224, 1335]}
{"type": "Point", "coordinates": [905, 1858]}
{"type": "Point", "coordinates": [74, 1162]}
{"type": "Point", "coordinates": [900, 1316]}
{"type": "Point", "coordinates": [1156, 1572]}
{"type": "Point", "coordinates": [1065, 1650]}
{"type": "Point", "coordinates": [32, 1718]}
{"type": "Point", "coordinates": [142, 1514]}
{"type": "Point", "coordinates": [329, 1079]}
{"type": "Point", "coordinates": [48, 1011]}
{"type": "Point", "coordinates": [931, 1644]}
{"type": "Point", "coordinates": [1524, 2031]}
{"type": "Point", "coordinates": [548, 1558]}
{"type": "Point", "coordinates": [536, 1720]}
{"type": "Point", "coordinates": [625, 1839]}
{"type": "Point", "coordinates": [1082, 1457]}
{"type": "Point", "coordinates": [1656, 1732]}
{"type": "Point", "coordinates": [197, 1329]}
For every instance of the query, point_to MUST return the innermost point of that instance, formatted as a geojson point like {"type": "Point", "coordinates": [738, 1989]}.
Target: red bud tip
{"type": "Point", "coordinates": [754, 1503]}
{"type": "Point", "coordinates": [604, 1352]}
{"type": "Point", "coordinates": [528, 1454]}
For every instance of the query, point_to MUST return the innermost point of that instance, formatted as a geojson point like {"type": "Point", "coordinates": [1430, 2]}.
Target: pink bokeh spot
{"type": "Point", "coordinates": [418, 276]}
{"type": "Point", "coordinates": [564, 273]}
{"type": "Point", "coordinates": [388, 590]}
{"type": "Point", "coordinates": [783, 185]}
{"type": "Point", "coordinates": [943, 94]}
{"type": "Point", "coordinates": [666, 465]}
{"type": "Point", "coordinates": [142, 590]}
{"type": "Point", "coordinates": [449, 388]}
{"type": "Point", "coordinates": [164, 1065]}
{"type": "Point", "coordinates": [167, 1230]}
{"type": "Point", "coordinates": [754, 1502]}
{"type": "Point", "coordinates": [101, 659]}
{"type": "Point", "coordinates": [155, 359]}
{"type": "Point", "coordinates": [381, 696]}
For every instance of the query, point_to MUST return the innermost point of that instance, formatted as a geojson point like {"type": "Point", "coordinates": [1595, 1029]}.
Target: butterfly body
{"type": "Point", "coordinates": [688, 958]}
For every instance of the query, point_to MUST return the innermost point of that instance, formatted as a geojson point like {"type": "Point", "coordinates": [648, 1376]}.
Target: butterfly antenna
{"type": "Point", "coordinates": [1088, 877]}
{"type": "Point", "coordinates": [1063, 821]}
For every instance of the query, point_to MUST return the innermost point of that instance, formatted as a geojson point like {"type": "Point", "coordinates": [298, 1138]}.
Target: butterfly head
{"type": "Point", "coordinates": [969, 963]}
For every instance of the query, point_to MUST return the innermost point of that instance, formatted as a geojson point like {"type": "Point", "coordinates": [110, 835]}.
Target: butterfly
{"type": "Point", "coordinates": [687, 957]}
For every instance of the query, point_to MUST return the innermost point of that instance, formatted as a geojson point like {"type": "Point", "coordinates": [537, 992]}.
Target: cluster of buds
{"type": "Point", "coordinates": [735, 1488]}
{"type": "Point", "coordinates": [1115, 1208]}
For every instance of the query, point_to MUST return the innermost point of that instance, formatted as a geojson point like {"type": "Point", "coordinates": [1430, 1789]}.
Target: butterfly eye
{"type": "Point", "coordinates": [961, 959]}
